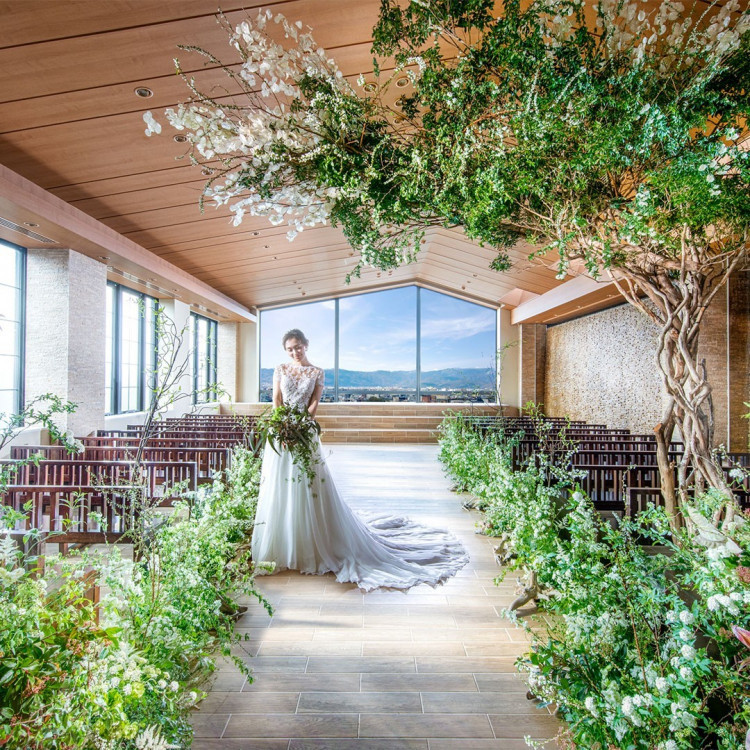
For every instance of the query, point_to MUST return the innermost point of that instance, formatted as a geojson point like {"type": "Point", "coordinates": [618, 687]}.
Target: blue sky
{"type": "Point", "coordinates": [378, 331]}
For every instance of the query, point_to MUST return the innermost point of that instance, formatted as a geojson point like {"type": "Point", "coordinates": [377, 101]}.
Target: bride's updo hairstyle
{"type": "Point", "coordinates": [294, 333]}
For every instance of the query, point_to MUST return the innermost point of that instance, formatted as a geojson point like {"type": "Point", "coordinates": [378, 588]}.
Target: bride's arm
{"type": "Point", "coordinates": [312, 407]}
{"type": "Point", "coordinates": [278, 399]}
{"type": "Point", "coordinates": [320, 384]}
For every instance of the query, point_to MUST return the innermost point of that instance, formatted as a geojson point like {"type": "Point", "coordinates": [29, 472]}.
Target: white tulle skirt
{"type": "Point", "coordinates": [306, 526]}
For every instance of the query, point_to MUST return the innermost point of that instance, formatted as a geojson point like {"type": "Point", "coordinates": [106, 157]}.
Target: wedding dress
{"type": "Point", "coordinates": [305, 525]}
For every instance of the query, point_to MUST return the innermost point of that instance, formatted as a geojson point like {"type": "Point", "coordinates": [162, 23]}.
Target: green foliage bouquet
{"type": "Point", "coordinates": [294, 430]}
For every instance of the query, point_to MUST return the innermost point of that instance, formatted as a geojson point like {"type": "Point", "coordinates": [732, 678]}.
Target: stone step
{"type": "Point", "coordinates": [405, 422]}
{"type": "Point", "coordinates": [381, 422]}
{"type": "Point", "coordinates": [363, 435]}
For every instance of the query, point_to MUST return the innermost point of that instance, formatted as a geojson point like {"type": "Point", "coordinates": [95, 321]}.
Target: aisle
{"type": "Point", "coordinates": [336, 669]}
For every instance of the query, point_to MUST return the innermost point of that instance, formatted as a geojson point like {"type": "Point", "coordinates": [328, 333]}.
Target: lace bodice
{"type": "Point", "coordinates": [298, 383]}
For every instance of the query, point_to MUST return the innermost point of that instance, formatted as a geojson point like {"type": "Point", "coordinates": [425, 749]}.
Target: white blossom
{"type": "Point", "coordinates": [152, 126]}
{"type": "Point", "coordinates": [590, 704]}
{"type": "Point", "coordinates": [686, 617]}
{"type": "Point", "coordinates": [688, 652]}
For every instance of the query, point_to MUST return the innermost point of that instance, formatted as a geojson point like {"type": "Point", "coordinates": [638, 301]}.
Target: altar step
{"type": "Point", "coordinates": [382, 422]}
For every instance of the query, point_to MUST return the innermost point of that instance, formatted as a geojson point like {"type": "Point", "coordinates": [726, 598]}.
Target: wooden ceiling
{"type": "Point", "coordinates": [71, 123]}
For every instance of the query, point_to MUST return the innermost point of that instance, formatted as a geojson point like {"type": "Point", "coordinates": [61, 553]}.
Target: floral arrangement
{"type": "Point", "coordinates": [635, 644]}
{"type": "Point", "coordinates": [125, 675]}
{"type": "Point", "coordinates": [295, 430]}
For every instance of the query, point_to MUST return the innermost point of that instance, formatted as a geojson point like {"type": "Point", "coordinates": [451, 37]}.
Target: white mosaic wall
{"type": "Point", "coordinates": [602, 368]}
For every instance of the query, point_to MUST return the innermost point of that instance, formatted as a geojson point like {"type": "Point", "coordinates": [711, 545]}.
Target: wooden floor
{"type": "Point", "coordinates": [336, 669]}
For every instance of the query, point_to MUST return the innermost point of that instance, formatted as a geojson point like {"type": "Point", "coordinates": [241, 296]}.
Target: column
{"type": "Point", "coordinates": [226, 365]}
{"type": "Point", "coordinates": [65, 333]}
{"type": "Point", "coordinates": [533, 337]}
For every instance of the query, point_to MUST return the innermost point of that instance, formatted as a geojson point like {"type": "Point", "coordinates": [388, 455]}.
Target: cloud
{"type": "Point", "coordinates": [452, 328]}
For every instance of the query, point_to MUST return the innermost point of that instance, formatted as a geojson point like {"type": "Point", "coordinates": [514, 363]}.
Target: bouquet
{"type": "Point", "coordinates": [293, 429]}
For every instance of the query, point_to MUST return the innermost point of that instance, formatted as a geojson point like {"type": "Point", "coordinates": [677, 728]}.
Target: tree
{"type": "Point", "coordinates": [613, 135]}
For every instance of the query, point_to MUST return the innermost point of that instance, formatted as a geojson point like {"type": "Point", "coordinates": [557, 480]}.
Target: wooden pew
{"type": "Point", "coordinates": [207, 460]}
{"type": "Point", "coordinates": [158, 476]}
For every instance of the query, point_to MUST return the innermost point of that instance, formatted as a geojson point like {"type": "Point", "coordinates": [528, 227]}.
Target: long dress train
{"type": "Point", "coordinates": [305, 525]}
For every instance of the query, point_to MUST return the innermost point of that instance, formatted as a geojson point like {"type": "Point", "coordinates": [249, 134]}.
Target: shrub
{"type": "Point", "coordinates": [125, 675]}
{"type": "Point", "coordinates": [636, 648]}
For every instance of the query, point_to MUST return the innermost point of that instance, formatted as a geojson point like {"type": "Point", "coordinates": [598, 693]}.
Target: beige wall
{"type": "Point", "coordinates": [227, 356]}
{"type": "Point", "coordinates": [509, 363]}
{"type": "Point", "coordinates": [65, 334]}
{"type": "Point", "coordinates": [247, 365]}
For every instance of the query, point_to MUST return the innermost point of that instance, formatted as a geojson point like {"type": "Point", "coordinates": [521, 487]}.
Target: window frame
{"type": "Point", "coordinates": [147, 361]}
{"type": "Point", "coordinates": [19, 375]}
{"type": "Point", "coordinates": [210, 365]}
{"type": "Point", "coordinates": [418, 320]}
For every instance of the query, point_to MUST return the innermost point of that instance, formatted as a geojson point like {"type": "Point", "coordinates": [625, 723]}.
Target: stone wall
{"type": "Point", "coordinates": [601, 368]}
{"type": "Point", "coordinates": [65, 333]}
{"type": "Point", "coordinates": [226, 366]}
{"type": "Point", "coordinates": [532, 360]}
{"type": "Point", "coordinates": [725, 347]}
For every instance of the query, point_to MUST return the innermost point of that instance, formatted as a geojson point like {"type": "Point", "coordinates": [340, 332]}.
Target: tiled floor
{"type": "Point", "coordinates": [336, 669]}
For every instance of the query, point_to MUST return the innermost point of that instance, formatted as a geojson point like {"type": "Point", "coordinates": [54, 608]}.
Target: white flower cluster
{"type": "Point", "coordinates": [673, 35]}
{"type": "Point", "coordinates": [255, 150]}
{"type": "Point", "coordinates": [730, 602]}
{"type": "Point", "coordinates": [151, 739]}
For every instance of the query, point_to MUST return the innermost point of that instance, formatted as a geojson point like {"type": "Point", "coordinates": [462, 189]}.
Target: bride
{"type": "Point", "coordinates": [303, 524]}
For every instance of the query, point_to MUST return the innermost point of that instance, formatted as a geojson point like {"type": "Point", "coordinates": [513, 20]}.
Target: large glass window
{"type": "Point", "coordinates": [12, 309]}
{"type": "Point", "coordinates": [204, 333]}
{"type": "Point", "coordinates": [402, 344]}
{"type": "Point", "coordinates": [458, 349]}
{"type": "Point", "coordinates": [130, 359]}
{"type": "Point", "coordinates": [378, 346]}
{"type": "Point", "coordinates": [317, 320]}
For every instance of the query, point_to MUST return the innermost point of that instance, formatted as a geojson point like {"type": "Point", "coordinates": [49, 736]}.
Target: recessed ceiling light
{"type": "Point", "coordinates": [179, 138]}
{"type": "Point", "coordinates": [369, 87]}
{"type": "Point", "coordinates": [143, 91]}
{"type": "Point", "coordinates": [401, 82]}
{"type": "Point", "coordinates": [30, 224]}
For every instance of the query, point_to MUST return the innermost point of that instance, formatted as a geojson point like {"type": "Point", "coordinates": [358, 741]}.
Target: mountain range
{"type": "Point", "coordinates": [452, 377]}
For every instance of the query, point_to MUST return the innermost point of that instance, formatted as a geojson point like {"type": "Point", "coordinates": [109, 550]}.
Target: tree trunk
{"type": "Point", "coordinates": [678, 303]}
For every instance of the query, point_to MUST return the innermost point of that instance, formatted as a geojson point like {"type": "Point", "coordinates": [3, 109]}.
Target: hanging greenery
{"type": "Point", "coordinates": [612, 134]}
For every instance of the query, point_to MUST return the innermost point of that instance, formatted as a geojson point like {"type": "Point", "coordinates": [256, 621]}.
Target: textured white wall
{"type": "Point", "coordinates": [65, 333]}
{"type": "Point", "coordinates": [248, 387]}
{"type": "Point", "coordinates": [226, 365]}
{"type": "Point", "coordinates": [509, 362]}
{"type": "Point", "coordinates": [179, 313]}
{"type": "Point", "coordinates": [602, 368]}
